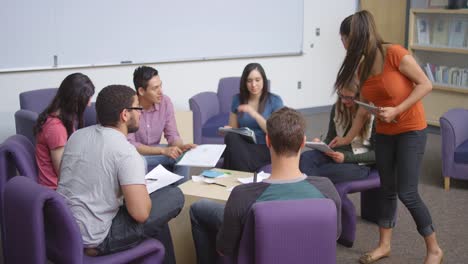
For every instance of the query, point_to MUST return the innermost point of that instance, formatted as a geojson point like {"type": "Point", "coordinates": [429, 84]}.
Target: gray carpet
{"type": "Point", "coordinates": [449, 212]}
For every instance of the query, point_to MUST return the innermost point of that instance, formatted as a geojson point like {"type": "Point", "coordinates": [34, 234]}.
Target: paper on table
{"type": "Point", "coordinates": [206, 155]}
{"type": "Point", "coordinates": [159, 177]}
{"type": "Point", "coordinates": [260, 177]}
{"type": "Point", "coordinates": [322, 146]}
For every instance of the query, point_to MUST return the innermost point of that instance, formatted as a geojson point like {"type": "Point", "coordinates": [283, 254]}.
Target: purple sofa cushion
{"type": "Point", "coordinates": [210, 128]}
{"type": "Point", "coordinates": [461, 153]}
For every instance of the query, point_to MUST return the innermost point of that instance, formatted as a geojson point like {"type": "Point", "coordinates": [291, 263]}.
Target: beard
{"type": "Point", "coordinates": [132, 126]}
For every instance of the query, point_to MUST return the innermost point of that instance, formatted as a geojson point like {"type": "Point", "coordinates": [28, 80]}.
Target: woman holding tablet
{"type": "Point", "coordinates": [250, 108]}
{"type": "Point", "coordinates": [348, 162]}
{"type": "Point", "coordinates": [390, 78]}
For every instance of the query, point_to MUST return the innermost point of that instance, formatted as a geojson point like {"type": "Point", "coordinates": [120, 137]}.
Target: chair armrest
{"type": "Point", "coordinates": [453, 131]}
{"type": "Point", "coordinates": [25, 121]}
{"type": "Point", "coordinates": [204, 106]}
{"type": "Point", "coordinates": [24, 224]}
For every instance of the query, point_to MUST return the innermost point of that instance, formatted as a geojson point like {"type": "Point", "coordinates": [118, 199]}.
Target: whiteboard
{"type": "Point", "coordinates": [109, 32]}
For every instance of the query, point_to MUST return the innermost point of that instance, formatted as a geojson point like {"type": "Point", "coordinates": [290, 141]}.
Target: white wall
{"type": "Point", "coordinates": [316, 69]}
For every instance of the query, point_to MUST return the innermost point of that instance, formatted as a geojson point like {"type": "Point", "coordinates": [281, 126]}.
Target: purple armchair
{"type": "Point", "coordinates": [16, 155]}
{"type": "Point", "coordinates": [292, 231]}
{"type": "Point", "coordinates": [32, 103]}
{"type": "Point", "coordinates": [369, 189]}
{"type": "Point", "coordinates": [39, 227]}
{"type": "Point", "coordinates": [211, 110]}
{"type": "Point", "coordinates": [454, 134]}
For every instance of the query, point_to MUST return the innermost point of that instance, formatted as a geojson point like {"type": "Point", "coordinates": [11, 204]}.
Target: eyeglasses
{"type": "Point", "coordinates": [347, 98]}
{"type": "Point", "coordinates": [138, 108]}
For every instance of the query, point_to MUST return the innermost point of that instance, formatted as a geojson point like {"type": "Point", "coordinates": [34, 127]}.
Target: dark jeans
{"type": "Point", "coordinates": [399, 162]}
{"type": "Point", "coordinates": [126, 233]}
{"type": "Point", "coordinates": [206, 217]}
{"type": "Point", "coordinates": [244, 156]}
{"type": "Point", "coordinates": [315, 163]}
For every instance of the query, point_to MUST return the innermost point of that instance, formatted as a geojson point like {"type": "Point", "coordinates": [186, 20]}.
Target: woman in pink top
{"type": "Point", "coordinates": [57, 122]}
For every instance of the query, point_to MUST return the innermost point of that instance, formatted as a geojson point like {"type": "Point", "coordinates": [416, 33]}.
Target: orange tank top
{"type": "Point", "coordinates": [390, 88]}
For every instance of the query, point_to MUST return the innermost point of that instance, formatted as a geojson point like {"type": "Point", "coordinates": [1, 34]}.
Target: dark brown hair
{"type": "Point", "coordinates": [364, 44]}
{"type": "Point", "coordinates": [70, 101]}
{"type": "Point", "coordinates": [244, 93]}
{"type": "Point", "coordinates": [111, 101]}
{"type": "Point", "coordinates": [142, 75]}
{"type": "Point", "coordinates": [286, 129]}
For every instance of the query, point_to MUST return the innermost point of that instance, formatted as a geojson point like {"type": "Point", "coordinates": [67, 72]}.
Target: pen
{"type": "Point", "coordinates": [219, 184]}
{"type": "Point", "coordinates": [151, 179]}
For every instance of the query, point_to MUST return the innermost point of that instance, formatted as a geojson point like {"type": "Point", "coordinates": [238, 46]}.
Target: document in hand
{"type": "Point", "coordinates": [369, 107]}
{"type": "Point", "coordinates": [321, 146]}
{"type": "Point", "coordinates": [243, 131]}
{"type": "Point", "coordinates": [206, 155]}
{"type": "Point", "coordinates": [159, 177]}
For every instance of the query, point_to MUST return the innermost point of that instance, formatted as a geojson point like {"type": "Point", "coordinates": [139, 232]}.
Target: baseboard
{"type": "Point", "coordinates": [433, 130]}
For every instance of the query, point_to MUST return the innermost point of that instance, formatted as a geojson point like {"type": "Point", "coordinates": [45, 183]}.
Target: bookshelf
{"type": "Point", "coordinates": [438, 39]}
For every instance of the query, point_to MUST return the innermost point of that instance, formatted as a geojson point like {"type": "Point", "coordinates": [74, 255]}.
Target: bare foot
{"type": "Point", "coordinates": [434, 257]}
{"type": "Point", "coordinates": [92, 252]}
{"type": "Point", "coordinates": [374, 255]}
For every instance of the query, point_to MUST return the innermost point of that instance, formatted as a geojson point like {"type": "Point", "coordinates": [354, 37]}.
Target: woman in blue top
{"type": "Point", "coordinates": [250, 108]}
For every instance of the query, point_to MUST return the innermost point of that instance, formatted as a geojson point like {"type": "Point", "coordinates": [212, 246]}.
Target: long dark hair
{"type": "Point", "coordinates": [364, 42]}
{"type": "Point", "coordinates": [71, 99]}
{"type": "Point", "coordinates": [244, 93]}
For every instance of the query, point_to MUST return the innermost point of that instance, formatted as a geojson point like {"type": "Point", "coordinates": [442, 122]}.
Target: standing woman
{"type": "Point", "coordinates": [57, 122]}
{"type": "Point", "coordinates": [348, 162]}
{"type": "Point", "coordinates": [391, 79]}
{"type": "Point", "coordinates": [250, 108]}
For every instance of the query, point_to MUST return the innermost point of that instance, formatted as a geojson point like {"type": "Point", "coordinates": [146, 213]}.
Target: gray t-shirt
{"type": "Point", "coordinates": [96, 161]}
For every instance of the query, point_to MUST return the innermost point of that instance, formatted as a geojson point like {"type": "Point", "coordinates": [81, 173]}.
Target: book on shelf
{"type": "Point", "coordinates": [422, 27]}
{"type": "Point", "coordinates": [445, 75]}
{"type": "Point", "coordinates": [245, 132]}
{"type": "Point", "coordinates": [464, 78]}
{"type": "Point", "coordinates": [454, 76]}
{"type": "Point", "coordinates": [440, 31]}
{"type": "Point", "coordinates": [458, 31]}
{"type": "Point", "coordinates": [429, 72]}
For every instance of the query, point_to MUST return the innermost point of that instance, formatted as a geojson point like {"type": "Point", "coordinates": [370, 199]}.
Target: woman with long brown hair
{"type": "Point", "coordinates": [348, 162]}
{"type": "Point", "coordinates": [250, 108]}
{"type": "Point", "coordinates": [56, 124]}
{"type": "Point", "coordinates": [391, 79]}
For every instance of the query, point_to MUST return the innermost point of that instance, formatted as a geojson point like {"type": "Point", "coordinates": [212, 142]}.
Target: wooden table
{"type": "Point", "coordinates": [181, 229]}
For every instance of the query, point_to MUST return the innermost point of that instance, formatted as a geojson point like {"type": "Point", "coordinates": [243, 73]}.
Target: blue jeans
{"type": "Point", "coordinates": [399, 162]}
{"type": "Point", "coordinates": [206, 217]}
{"type": "Point", "coordinates": [169, 163]}
{"type": "Point", "coordinates": [315, 163]}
